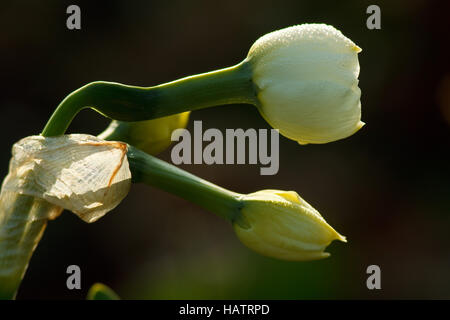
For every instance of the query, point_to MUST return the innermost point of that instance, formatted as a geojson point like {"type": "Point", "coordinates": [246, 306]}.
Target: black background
{"type": "Point", "coordinates": [386, 188]}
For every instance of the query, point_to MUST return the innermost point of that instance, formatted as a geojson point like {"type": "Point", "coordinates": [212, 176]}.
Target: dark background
{"type": "Point", "coordinates": [386, 188]}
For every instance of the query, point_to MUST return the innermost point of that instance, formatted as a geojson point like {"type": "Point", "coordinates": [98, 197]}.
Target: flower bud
{"type": "Point", "coordinates": [306, 78]}
{"type": "Point", "coordinates": [280, 224]}
{"type": "Point", "coordinates": [99, 291]}
{"type": "Point", "coordinates": [77, 172]}
{"type": "Point", "coordinates": [151, 136]}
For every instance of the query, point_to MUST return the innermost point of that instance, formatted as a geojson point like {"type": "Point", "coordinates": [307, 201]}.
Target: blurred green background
{"type": "Point", "coordinates": [386, 188]}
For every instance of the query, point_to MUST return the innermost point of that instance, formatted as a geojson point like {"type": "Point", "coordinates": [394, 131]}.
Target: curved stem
{"type": "Point", "coordinates": [23, 218]}
{"type": "Point", "coordinates": [22, 223]}
{"type": "Point", "coordinates": [155, 172]}
{"type": "Point", "coordinates": [130, 103]}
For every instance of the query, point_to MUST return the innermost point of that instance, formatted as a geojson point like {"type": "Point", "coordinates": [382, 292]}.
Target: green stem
{"type": "Point", "coordinates": [22, 222]}
{"type": "Point", "coordinates": [152, 171]}
{"type": "Point", "coordinates": [23, 218]}
{"type": "Point", "coordinates": [130, 103]}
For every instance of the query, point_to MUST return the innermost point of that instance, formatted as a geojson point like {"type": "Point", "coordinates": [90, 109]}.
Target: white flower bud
{"type": "Point", "coordinates": [284, 226]}
{"type": "Point", "coordinates": [77, 172]}
{"type": "Point", "coordinates": [306, 78]}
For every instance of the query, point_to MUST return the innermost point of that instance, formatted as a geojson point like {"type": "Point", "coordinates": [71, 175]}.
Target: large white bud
{"type": "Point", "coordinates": [306, 78]}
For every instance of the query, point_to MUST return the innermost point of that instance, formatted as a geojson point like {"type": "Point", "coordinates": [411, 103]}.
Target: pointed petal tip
{"type": "Point", "coordinates": [341, 238]}
{"type": "Point", "coordinates": [325, 255]}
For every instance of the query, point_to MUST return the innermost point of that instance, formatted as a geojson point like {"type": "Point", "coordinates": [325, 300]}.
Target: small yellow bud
{"type": "Point", "coordinates": [151, 136]}
{"type": "Point", "coordinates": [306, 77]}
{"type": "Point", "coordinates": [280, 224]}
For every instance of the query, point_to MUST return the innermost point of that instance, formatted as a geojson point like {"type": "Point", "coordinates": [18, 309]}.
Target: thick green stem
{"type": "Point", "coordinates": [152, 171]}
{"type": "Point", "coordinates": [130, 103]}
{"type": "Point", "coordinates": [22, 222]}
{"type": "Point", "coordinates": [23, 218]}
